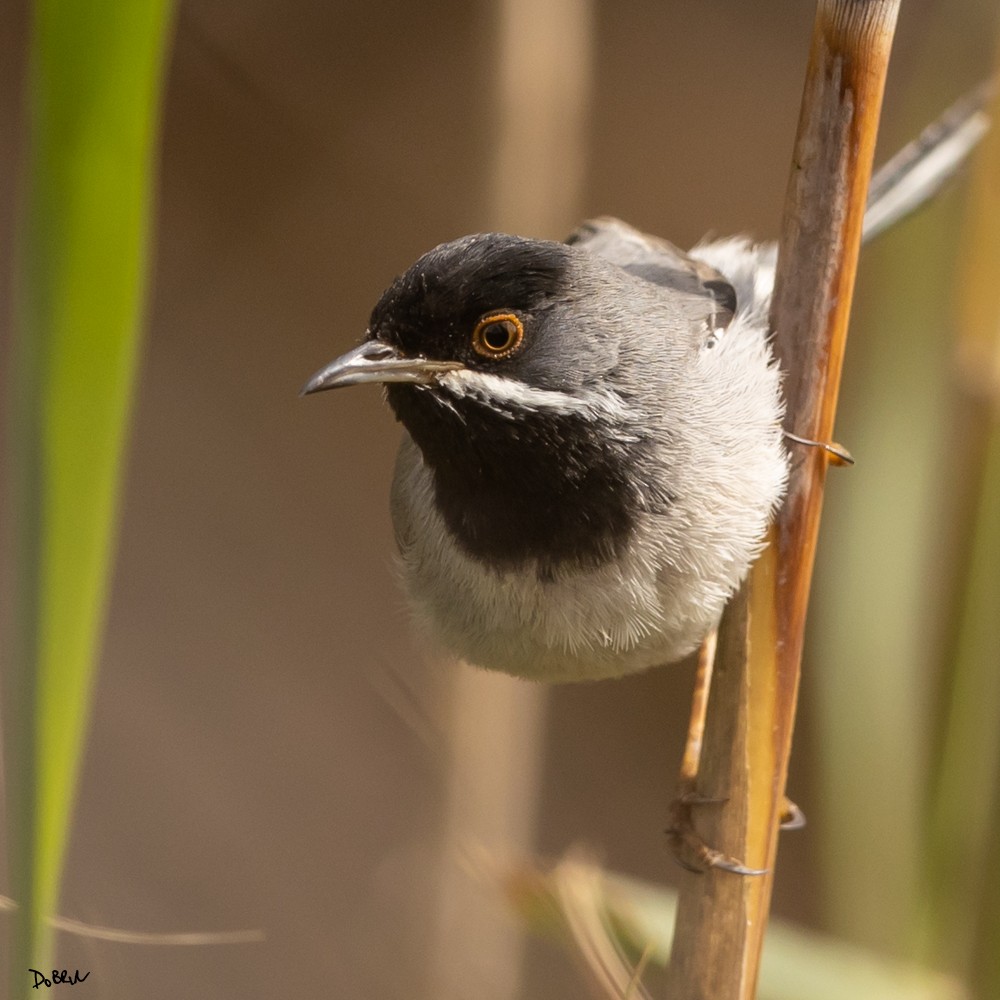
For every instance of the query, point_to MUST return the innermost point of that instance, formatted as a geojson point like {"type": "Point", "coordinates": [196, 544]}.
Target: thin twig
{"type": "Point", "coordinates": [172, 938]}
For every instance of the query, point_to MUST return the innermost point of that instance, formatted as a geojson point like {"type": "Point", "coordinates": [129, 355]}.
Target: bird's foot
{"type": "Point", "coordinates": [689, 848]}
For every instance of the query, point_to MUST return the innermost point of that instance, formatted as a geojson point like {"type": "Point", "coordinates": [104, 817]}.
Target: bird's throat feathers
{"type": "Point", "coordinates": [526, 475]}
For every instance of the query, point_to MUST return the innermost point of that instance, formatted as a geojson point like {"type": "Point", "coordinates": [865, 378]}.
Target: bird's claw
{"type": "Point", "coordinates": [839, 455]}
{"type": "Point", "coordinates": [792, 817]}
{"type": "Point", "coordinates": [689, 849]}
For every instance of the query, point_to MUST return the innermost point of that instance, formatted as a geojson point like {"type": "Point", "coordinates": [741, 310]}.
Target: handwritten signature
{"type": "Point", "coordinates": [59, 976]}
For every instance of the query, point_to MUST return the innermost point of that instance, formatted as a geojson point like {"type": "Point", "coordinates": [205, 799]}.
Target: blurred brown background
{"type": "Point", "coordinates": [268, 748]}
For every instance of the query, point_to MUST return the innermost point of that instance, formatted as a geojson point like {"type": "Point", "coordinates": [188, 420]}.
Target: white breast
{"type": "Point", "coordinates": [652, 606]}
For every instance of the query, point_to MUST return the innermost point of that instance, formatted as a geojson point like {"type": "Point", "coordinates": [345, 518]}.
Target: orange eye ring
{"type": "Point", "coordinates": [498, 335]}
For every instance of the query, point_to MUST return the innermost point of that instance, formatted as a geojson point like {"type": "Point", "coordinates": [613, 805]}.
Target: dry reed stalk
{"type": "Point", "coordinates": [748, 729]}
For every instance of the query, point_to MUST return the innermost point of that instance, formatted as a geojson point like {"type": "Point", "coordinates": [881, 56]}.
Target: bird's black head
{"type": "Point", "coordinates": [481, 300]}
{"type": "Point", "coordinates": [494, 358]}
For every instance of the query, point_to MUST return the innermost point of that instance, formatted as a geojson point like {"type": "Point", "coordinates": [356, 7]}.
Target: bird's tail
{"type": "Point", "coordinates": [901, 186]}
{"type": "Point", "coordinates": [921, 168]}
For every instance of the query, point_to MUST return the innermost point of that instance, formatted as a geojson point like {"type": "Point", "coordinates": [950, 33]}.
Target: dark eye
{"type": "Point", "coordinates": [498, 335]}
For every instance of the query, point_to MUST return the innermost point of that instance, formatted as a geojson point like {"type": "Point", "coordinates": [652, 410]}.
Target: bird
{"type": "Point", "coordinates": [593, 442]}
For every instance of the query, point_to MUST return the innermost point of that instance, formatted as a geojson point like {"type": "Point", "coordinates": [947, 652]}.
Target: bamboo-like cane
{"type": "Point", "coordinates": [962, 915]}
{"type": "Point", "coordinates": [747, 742]}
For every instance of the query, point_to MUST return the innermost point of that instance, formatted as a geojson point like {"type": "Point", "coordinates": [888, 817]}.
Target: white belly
{"type": "Point", "coordinates": [646, 608]}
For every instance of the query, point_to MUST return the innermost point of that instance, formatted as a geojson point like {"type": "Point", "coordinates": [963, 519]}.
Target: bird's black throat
{"type": "Point", "coordinates": [532, 487]}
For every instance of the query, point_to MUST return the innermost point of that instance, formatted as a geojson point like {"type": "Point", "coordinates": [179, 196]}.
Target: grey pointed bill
{"type": "Point", "coordinates": [376, 361]}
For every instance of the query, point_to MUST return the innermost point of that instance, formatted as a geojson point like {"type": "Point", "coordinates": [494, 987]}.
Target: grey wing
{"type": "Point", "coordinates": [660, 262]}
